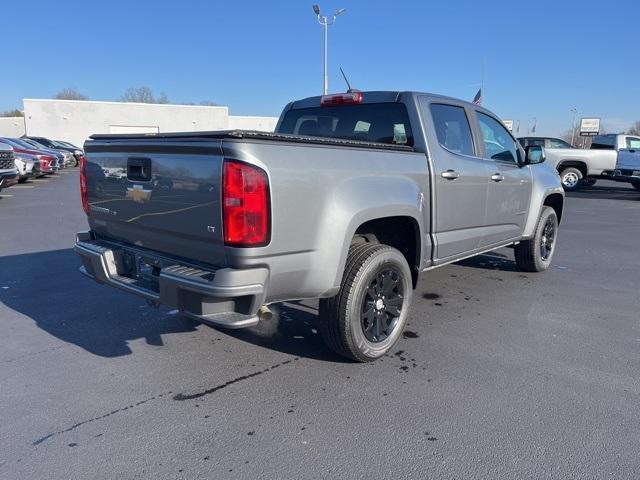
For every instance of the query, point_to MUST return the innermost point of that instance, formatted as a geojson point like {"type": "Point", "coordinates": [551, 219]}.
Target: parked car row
{"type": "Point", "coordinates": [611, 157]}
{"type": "Point", "coordinates": [32, 157]}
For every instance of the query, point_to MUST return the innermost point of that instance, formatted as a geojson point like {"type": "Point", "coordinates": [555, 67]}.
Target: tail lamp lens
{"type": "Point", "coordinates": [83, 186]}
{"type": "Point", "coordinates": [245, 205]}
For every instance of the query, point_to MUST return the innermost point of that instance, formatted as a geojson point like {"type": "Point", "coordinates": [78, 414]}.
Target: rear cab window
{"type": "Point", "coordinates": [452, 128]}
{"type": "Point", "coordinates": [368, 122]}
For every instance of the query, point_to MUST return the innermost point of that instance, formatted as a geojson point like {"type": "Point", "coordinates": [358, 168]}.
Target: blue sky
{"type": "Point", "coordinates": [541, 58]}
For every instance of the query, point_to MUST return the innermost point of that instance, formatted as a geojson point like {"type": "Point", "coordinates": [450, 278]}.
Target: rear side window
{"type": "Point", "coordinates": [633, 142]}
{"type": "Point", "coordinates": [368, 122]}
{"type": "Point", "coordinates": [557, 143]}
{"type": "Point", "coordinates": [452, 128]}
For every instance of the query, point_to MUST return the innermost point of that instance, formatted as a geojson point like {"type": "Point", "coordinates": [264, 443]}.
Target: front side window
{"type": "Point", "coordinates": [452, 128]}
{"type": "Point", "coordinates": [633, 142]}
{"type": "Point", "coordinates": [498, 144]}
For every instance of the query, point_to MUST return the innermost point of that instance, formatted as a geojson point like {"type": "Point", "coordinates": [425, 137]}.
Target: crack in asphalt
{"type": "Point", "coordinates": [178, 397]}
{"type": "Point", "coordinates": [32, 354]}
{"type": "Point", "coordinates": [84, 422]}
{"type": "Point", "coordinates": [182, 396]}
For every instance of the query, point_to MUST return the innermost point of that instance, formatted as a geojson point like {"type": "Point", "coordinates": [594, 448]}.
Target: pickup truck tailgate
{"type": "Point", "coordinates": [629, 162]}
{"type": "Point", "coordinates": [160, 194]}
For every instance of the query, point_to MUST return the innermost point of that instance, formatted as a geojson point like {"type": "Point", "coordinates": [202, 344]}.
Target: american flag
{"type": "Point", "coordinates": [478, 98]}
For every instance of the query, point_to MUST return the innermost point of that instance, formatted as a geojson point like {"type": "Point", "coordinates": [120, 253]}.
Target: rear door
{"type": "Point", "coordinates": [161, 194]}
{"type": "Point", "coordinates": [509, 183]}
{"type": "Point", "coordinates": [460, 180]}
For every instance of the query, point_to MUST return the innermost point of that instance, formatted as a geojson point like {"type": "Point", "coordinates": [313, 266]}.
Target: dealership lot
{"type": "Point", "coordinates": [501, 374]}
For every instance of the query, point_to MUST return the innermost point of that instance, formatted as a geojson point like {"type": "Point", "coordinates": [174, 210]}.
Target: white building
{"type": "Point", "coordinates": [75, 120]}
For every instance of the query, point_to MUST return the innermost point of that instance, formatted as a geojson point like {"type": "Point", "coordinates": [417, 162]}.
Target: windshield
{"type": "Point", "coordinates": [34, 144]}
{"type": "Point", "coordinates": [373, 122]}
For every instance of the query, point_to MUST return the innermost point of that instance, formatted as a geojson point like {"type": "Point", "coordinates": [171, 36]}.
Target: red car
{"type": "Point", "coordinates": [48, 163]}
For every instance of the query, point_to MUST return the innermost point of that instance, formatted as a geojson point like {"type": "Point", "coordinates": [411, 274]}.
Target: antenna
{"type": "Point", "coordinates": [351, 90]}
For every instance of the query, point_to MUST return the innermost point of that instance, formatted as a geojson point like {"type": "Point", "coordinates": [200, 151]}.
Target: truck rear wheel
{"type": "Point", "coordinates": [367, 316]}
{"type": "Point", "coordinates": [571, 179]}
{"type": "Point", "coordinates": [535, 254]}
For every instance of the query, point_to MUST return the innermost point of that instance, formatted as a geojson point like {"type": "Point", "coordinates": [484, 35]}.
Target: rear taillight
{"type": "Point", "coordinates": [245, 205]}
{"type": "Point", "coordinates": [350, 98]}
{"type": "Point", "coordinates": [83, 186]}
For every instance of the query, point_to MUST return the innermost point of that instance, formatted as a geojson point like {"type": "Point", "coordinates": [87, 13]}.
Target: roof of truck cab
{"type": "Point", "coordinates": [382, 96]}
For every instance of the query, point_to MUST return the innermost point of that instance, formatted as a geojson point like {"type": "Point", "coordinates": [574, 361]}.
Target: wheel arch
{"type": "Point", "coordinates": [579, 164]}
{"type": "Point", "coordinates": [555, 201]}
{"type": "Point", "coordinates": [401, 232]}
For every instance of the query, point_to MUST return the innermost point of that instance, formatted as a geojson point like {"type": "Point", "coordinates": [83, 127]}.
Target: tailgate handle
{"type": "Point", "coordinates": [139, 169]}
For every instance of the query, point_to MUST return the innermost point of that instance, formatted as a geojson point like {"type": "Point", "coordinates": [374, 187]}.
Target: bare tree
{"type": "Point", "coordinates": [70, 93]}
{"type": "Point", "coordinates": [12, 113]}
{"type": "Point", "coordinates": [635, 129]}
{"type": "Point", "coordinates": [208, 103]}
{"type": "Point", "coordinates": [143, 95]}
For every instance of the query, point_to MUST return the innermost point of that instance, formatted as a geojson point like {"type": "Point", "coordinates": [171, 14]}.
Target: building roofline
{"type": "Point", "coordinates": [123, 103]}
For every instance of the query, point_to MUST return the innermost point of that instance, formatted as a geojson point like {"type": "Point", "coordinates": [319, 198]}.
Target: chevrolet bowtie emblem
{"type": "Point", "coordinates": [138, 194]}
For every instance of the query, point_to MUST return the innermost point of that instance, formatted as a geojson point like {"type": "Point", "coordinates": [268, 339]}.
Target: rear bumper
{"type": "Point", "coordinates": [226, 297]}
{"type": "Point", "coordinates": [630, 176]}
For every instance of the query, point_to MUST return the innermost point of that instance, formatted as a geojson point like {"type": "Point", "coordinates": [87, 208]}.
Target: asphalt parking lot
{"type": "Point", "coordinates": [501, 374]}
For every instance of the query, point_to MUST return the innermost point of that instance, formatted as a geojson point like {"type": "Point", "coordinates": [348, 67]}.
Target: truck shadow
{"type": "Point", "coordinates": [491, 261]}
{"type": "Point", "coordinates": [606, 192]}
{"type": "Point", "coordinates": [48, 288]}
{"type": "Point", "coordinates": [293, 329]}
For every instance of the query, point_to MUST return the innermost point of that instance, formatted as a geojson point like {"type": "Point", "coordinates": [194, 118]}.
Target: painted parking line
{"type": "Point", "coordinates": [5, 196]}
{"type": "Point", "coordinates": [22, 186]}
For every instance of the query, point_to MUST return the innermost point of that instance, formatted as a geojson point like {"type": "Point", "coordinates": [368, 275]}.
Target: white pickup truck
{"type": "Point", "coordinates": [613, 157]}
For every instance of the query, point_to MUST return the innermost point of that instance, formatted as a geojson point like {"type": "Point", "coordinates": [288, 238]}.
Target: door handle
{"type": "Point", "coordinates": [450, 174]}
{"type": "Point", "coordinates": [497, 177]}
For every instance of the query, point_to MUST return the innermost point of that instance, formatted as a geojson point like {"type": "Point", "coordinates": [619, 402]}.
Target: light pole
{"type": "Point", "coordinates": [573, 125]}
{"type": "Point", "coordinates": [325, 22]}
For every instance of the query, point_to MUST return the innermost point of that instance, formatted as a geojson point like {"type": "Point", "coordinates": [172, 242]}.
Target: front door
{"type": "Point", "coordinates": [509, 185]}
{"type": "Point", "coordinates": [460, 181]}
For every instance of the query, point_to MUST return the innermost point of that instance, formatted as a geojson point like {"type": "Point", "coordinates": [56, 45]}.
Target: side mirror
{"type": "Point", "coordinates": [534, 154]}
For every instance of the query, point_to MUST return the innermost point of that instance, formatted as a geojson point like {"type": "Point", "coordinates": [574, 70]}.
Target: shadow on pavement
{"type": "Point", "coordinates": [606, 192]}
{"type": "Point", "coordinates": [491, 261]}
{"type": "Point", "coordinates": [292, 330]}
{"type": "Point", "coordinates": [48, 288]}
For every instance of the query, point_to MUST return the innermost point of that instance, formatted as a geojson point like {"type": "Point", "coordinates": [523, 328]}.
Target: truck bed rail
{"type": "Point", "coordinates": [252, 135]}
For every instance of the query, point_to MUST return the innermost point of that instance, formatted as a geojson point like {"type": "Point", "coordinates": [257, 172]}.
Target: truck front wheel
{"type": "Point", "coordinates": [535, 254]}
{"type": "Point", "coordinates": [571, 179]}
{"type": "Point", "coordinates": [367, 316]}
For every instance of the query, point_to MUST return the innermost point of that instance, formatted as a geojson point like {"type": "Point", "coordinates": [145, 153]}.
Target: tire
{"type": "Point", "coordinates": [589, 182]}
{"type": "Point", "coordinates": [529, 253]}
{"type": "Point", "coordinates": [571, 179]}
{"type": "Point", "coordinates": [636, 185]}
{"type": "Point", "coordinates": [358, 323]}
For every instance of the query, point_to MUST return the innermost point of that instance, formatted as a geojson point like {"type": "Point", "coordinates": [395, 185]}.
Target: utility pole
{"type": "Point", "coordinates": [573, 125]}
{"type": "Point", "coordinates": [325, 22]}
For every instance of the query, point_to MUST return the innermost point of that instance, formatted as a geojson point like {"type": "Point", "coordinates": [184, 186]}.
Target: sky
{"type": "Point", "coordinates": [539, 59]}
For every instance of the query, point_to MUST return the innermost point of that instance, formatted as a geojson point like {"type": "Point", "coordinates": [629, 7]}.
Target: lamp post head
{"type": "Point", "coordinates": [316, 9]}
{"type": "Point", "coordinates": [338, 12]}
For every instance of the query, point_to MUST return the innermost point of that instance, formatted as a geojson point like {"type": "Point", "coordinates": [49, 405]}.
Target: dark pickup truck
{"type": "Point", "coordinates": [348, 201]}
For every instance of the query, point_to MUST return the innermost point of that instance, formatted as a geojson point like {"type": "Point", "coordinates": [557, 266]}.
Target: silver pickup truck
{"type": "Point", "coordinates": [348, 201]}
{"type": "Point", "coordinates": [612, 157]}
